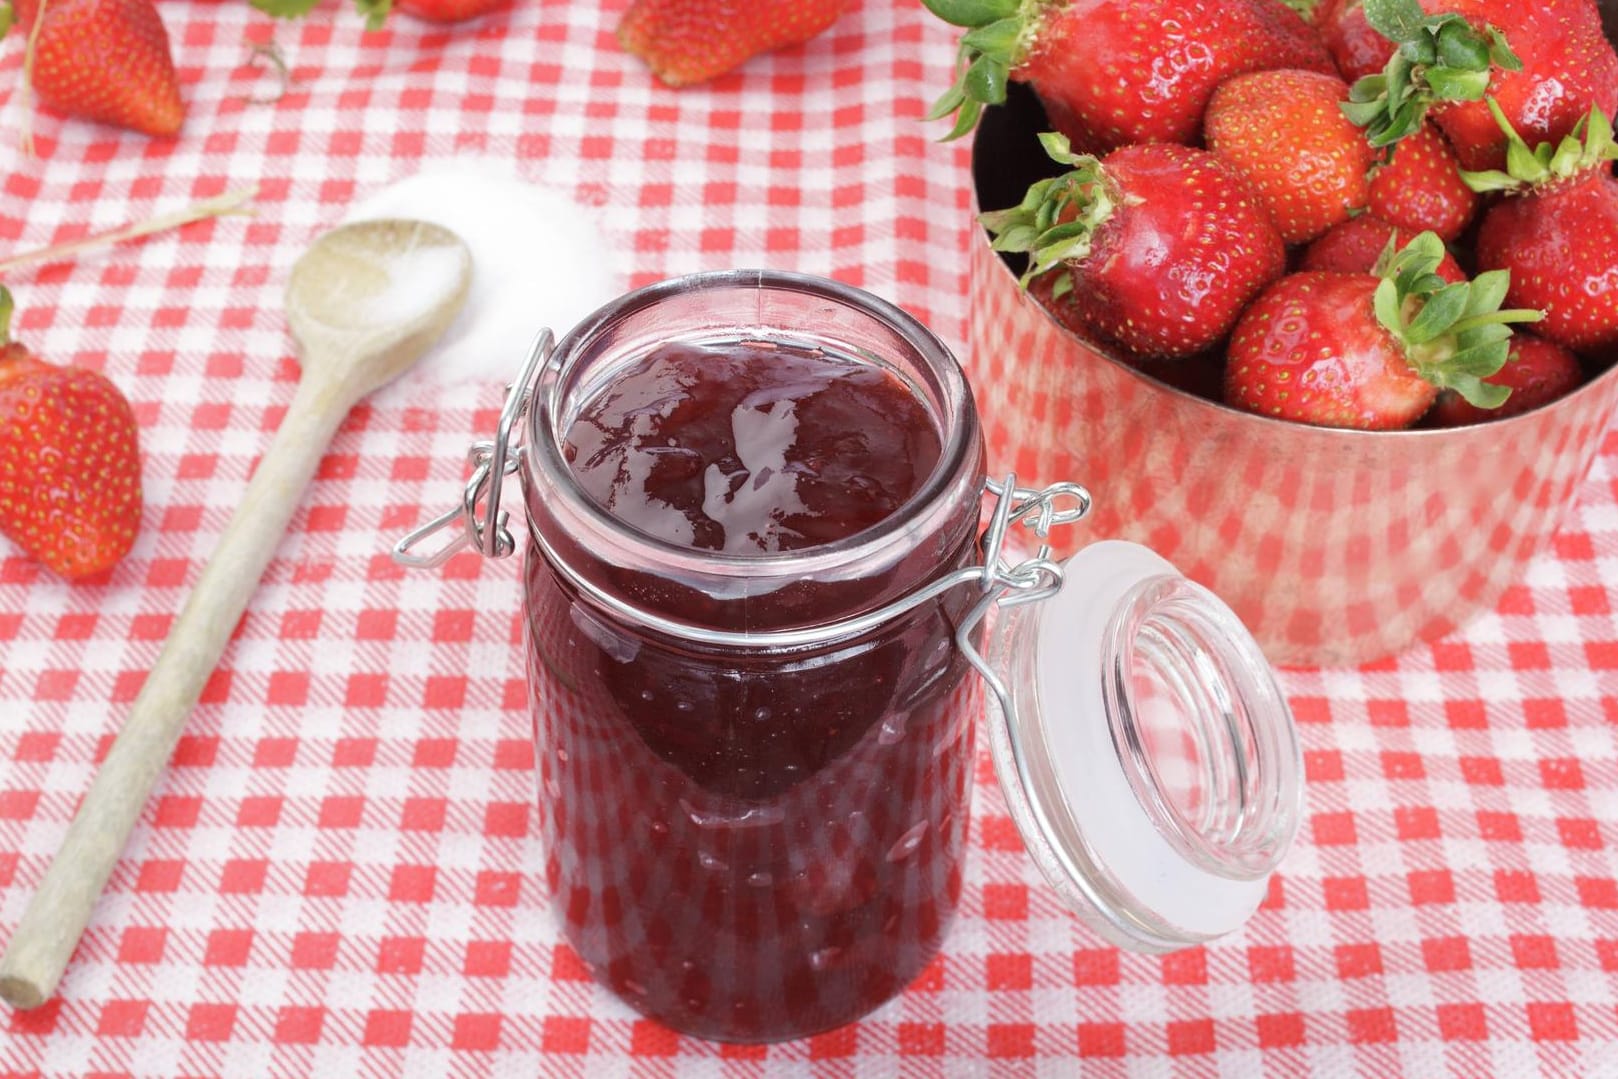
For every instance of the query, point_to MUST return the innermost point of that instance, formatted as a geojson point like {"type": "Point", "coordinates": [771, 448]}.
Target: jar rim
{"type": "Point", "coordinates": [957, 419]}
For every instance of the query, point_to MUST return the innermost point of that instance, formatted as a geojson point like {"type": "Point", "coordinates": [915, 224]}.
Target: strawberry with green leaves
{"type": "Point", "coordinates": [1557, 231]}
{"type": "Point", "coordinates": [691, 41]}
{"type": "Point", "coordinates": [1360, 244]}
{"type": "Point", "coordinates": [1371, 352]}
{"type": "Point", "coordinates": [1155, 247]}
{"type": "Point", "coordinates": [1285, 131]}
{"type": "Point", "coordinates": [1536, 373]}
{"type": "Point", "coordinates": [69, 461]}
{"type": "Point", "coordinates": [103, 60]}
{"type": "Point", "coordinates": [1115, 72]}
{"type": "Point", "coordinates": [1547, 63]}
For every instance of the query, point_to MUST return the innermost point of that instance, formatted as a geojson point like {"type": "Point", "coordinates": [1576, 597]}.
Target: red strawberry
{"type": "Point", "coordinates": [1156, 247]}
{"type": "Point", "coordinates": [1358, 244]}
{"type": "Point", "coordinates": [1355, 46]}
{"type": "Point", "coordinates": [1367, 352]}
{"type": "Point", "coordinates": [1286, 132]}
{"type": "Point", "coordinates": [448, 11]}
{"type": "Point", "coordinates": [1547, 63]}
{"type": "Point", "coordinates": [1558, 234]}
{"type": "Point", "coordinates": [1537, 372]}
{"type": "Point", "coordinates": [69, 461]}
{"type": "Point", "coordinates": [1421, 187]}
{"type": "Point", "coordinates": [691, 41]}
{"type": "Point", "coordinates": [105, 60]}
{"type": "Point", "coordinates": [1124, 71]}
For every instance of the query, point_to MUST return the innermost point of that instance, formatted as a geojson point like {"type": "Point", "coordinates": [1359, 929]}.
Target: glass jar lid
{"type": "Point", "coordinates": [1147, 755]}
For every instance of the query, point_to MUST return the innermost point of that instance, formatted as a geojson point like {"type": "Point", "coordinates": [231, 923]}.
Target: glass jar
{"type": "Point", "coordinates": [755, 770]}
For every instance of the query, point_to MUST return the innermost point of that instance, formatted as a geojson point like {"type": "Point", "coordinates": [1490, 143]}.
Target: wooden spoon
{"type": "Point", "coordinates": [364, 303]}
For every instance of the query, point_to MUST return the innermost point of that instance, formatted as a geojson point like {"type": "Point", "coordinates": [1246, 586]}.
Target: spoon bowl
{"type": "Point", "coordinates": [371, 297]}
{"type": "Point", "coordinates": [364, 303]}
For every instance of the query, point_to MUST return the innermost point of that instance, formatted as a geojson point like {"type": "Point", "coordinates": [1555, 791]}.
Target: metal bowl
{"type": "Point", "coordinates": [1335, 547]}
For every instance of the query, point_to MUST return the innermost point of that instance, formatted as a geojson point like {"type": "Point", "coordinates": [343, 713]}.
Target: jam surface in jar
{"type": "Point", "coordinates": [753, 845]}
{"type": "Point", "coordinates": [752, 448]}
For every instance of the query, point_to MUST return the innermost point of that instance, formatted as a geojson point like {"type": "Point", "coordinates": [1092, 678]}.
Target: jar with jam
{"type": "Point", "coordinates": [756, 590]}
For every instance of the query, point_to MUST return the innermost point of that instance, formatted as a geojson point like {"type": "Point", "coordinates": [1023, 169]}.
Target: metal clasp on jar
{"type": "Point", "coordinates": [477, 521]}
{"type": "Point", "coordinates": [492, 461]}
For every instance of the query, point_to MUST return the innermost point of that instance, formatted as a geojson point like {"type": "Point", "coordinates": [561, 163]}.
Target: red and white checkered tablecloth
{"type": "Point", "coordinates": [337, 874]}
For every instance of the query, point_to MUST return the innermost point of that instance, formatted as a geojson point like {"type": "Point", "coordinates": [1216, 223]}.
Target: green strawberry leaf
{"type": "Point", "coordinates": [1422, 51]}
{"type": "Point", "coordinates": [1488, 292]}
{"type": "Point", "coordinates": [1500, 54]}
{"type": "Point", "coordinates": [1451, 84]}
{"type": "Point", "coordinates": [985, 79]}
{"type": "Point", "coordinates": [7, 305]}
{"type": "Point", "coordinates": [1058, 148]}
{"type": "Point", "coordinates": [1438, 314]}
{"type": "Point", "coordinates": [947, 102]}
{"type": "Point", "coordinates": [972, 12]}
{"type": "Point", "coordinates": [1457, 46]}
{"type": "Point", "coordinates": [375, 12]}
{"type": "Point", "coordinates": [998, 38]}
{"type": "Point", "coordinates": [1386, 304]}
{"type": "Point", "coordinates": [285, 9]}
{"type": "Point", "coordinates": [1476, 391]}
{"type": "Point", "coordinates": [8, 16]}
{"type": "Point", "coordinates": [1396, 20]}
{"type": "Point", "coordinates": [1361, 113]}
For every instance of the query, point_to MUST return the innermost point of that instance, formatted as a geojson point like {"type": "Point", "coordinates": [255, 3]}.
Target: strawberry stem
{"type": "Point", "coordinates": [7, 305]}
{"type": "Point", "coordinates": [229, 203]}
{"type": "Point", "coordinates": [1058, 217]}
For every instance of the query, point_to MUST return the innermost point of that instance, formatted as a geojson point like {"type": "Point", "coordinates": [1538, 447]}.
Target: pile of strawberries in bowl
{"type": "Point", "coordinates": [1376, 215]}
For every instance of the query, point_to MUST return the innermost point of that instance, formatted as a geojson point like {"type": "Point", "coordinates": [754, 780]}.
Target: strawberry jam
{"type": "Point", "coordinates": [752, 841]}
{"type": "Point", "coordinates": [750, 449]}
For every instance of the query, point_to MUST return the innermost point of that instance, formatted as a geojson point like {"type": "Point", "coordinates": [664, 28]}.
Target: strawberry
{"type": "Point", "coordinates": [1284, 130]}
{"type": "Point", "coordinates": [69, 461]}
{"type": "Point", "coordinates": [691, 41]}
{"type": "Point", "coordinates": [1355, 46]}
{"type": "Point", "coordinates": [1358, 244]}
{"type": "Point", "coordinates": [449, 11]}
{"type": "Point", "coordinates": [1421, 188]}
{"type": "Point", "coordinates": [1558, 232]}
{"type": "Point", "coordinates": [1155, 247]}
{"type": "Point", "coordinates": [1370, 352]}
{"type": "Point", "coordinates": [1537, 372]}
{"type": "Point", "coordinates": [105, 60]}
{"type": "Point", "coordinates": [1118, 71]}
{"type": "Point", "coordinates": [1546, 63]}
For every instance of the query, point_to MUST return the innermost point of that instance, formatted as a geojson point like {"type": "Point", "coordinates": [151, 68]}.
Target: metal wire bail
{"type": "Point", "coordinates": [492, 461]}
{"type": "Point", "coordinates": [1009, 584]}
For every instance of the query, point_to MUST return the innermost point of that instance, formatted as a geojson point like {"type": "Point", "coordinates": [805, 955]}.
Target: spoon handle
{"type": "Point", "coordinates": [62, 905]}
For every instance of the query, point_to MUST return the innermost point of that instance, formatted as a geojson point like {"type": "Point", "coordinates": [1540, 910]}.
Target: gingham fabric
{"type": "Point", "coordinates": [342, 873]}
